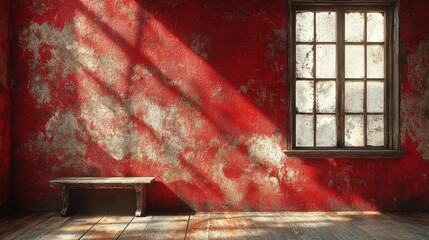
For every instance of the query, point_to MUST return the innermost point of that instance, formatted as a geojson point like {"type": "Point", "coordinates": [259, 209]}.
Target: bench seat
{"type": "Point", "coordinates": [137, 183]}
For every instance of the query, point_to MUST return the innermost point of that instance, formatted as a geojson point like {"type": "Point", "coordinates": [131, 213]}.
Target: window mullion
{"type": "Point", "coordinates": [365, 81]}
{"type": "Point", "coordinates": [340, 78]}
{"type": "Point", "coordinates": [314, 80]}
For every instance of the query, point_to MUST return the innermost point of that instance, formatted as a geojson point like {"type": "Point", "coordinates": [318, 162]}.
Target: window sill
{"type": "Point", "coordinates": [336, 153]}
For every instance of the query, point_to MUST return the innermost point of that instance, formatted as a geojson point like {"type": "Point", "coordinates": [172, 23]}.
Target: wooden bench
{"type": "Point", "coordinates": [137, 183]}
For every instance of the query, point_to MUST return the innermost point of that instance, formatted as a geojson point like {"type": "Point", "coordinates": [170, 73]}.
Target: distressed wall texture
{"type": "Point", "coordinates": [194, 93]}
{"type": "Point", "coordinates": [5, 169]}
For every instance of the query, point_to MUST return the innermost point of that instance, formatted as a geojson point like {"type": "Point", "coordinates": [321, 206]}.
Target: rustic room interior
{"type": "Point", "coordinates": [199, 119]}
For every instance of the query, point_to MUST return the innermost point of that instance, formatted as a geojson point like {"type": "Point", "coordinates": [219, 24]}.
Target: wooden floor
{"type": "Point", "coordinates": [220, 225]}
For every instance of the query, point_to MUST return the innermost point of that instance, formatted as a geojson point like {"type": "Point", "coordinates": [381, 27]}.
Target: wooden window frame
{"type": "Point", "coordinates": [392, 148]}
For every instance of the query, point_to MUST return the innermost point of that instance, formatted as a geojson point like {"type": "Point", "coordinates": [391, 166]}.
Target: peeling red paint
{"type": "Point", "coordinates": [132, 88]}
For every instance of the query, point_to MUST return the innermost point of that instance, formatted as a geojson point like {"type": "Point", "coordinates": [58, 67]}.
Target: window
{"type": "Point", "coordinates": [343, 79]}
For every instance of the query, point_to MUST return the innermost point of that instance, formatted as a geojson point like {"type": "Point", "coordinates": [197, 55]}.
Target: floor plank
{"type": "Point", "coordinates": [261, 223]}
{"type": "Point", "coordinates": [74, 228]}
{"type": "Point", "coordinates": [342, 226]}
{"type": "Point", "coordinates": [380, 226]}
{"type": "Point", "coordinates": [109, 227]}
{"type": "Point", "coordinates": [413, 223]}
{"type": "Point", "coordinates": [199, 225]}
{"type": "Point", "coordinates": [26, 225]}
{"type": "Point", "coordinates": [136, 228]}
{"type": "Point", "coordinates": [44, 228]}
{"type": "Point", "coordinates": [167, 227]}
{"type": "Point", "coordinates": [220, 225]}
{"type": "Point", "coordinates": [309, 225]}
{"type": "Point", "coordinates": [242, 226]}
{"type": "Point", "coordinates": [9, 222]}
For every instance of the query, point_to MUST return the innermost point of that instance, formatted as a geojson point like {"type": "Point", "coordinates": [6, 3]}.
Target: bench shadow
{"type": "Point", "coordinates": [165, 201]}
{"type": "Point", "coordinates": [102, 201]}
{"type": "Point", "coordinates": [160, 201]}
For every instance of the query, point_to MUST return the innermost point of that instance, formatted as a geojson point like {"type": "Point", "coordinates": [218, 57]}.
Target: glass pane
{"type": "Point", "coordinates": [354, 27]}
{"type": "Point", "coordinates": [326, 27]}
{"type": "Point", "coordinates": [354, 135]}
{"type": "Point", "coordinates": [354, 61]}
{"type": "Point", "coordinates": [304, 27]}
{"type": "Point", "coordinates": [375, 59]}
{"type": "Point", "coordinates": [375, 97]}
{"type": "Point", "coordinates": [375, 130]}
{"type": "Point", "coordinates": [326, 61]}
{"type": "Point", "coordinates": [304, 61]}
{"type": "Point", "coordinates": [354, 96]}
{"type": "Point", "coordinates": [304, 96]}
{"type": "Point", "coordinates": [304, 130]}
{"type": "Point", "coordinates": [326, 131]}
{"type": "Point", "coordinates": [325, 96]}
{"type": "Point", "coordinates": [375, 27]}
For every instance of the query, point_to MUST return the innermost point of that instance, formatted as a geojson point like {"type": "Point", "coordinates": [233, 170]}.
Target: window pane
{"type": "Point", "coordinates": [354, 61]}
{"type": "Point", "coordinates": [354, 134]}
{"type": "Point", "coordinates": [354, 27]}
{"type": "Point", "coordinates": [326, 61]}
{"type": "Point", "coordinates": [375, 97]}
{"type": "Point", "coordinates": [304, 96]}
{"type": "Point", "coordinates": [304, 27]}
{"type": "Point", "coordinates": [354, 96]}
{"type": "Point", "coordinates": [375, 130]}
{"type": "Point", "coordinates": [304, 130]}
{"type": "Point", "coordinates": [326, 131]}
{"type": "Point", "coordinates": [326, 27]}
{"type": "Point", "coordinates": [375, 27]}
{"type": "Point", "coordinates": [304, 61]}
{"type": "Point", "coordinates": [375, 59]}
{"type": "Point", "coordinates": [325, 96]}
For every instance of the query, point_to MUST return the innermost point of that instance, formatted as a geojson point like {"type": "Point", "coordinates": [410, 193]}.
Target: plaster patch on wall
{"type": "Point", "coordinates": [176, 174]}
{"type": "Point", "coordinates": [200, 44]}
{"type": "Point", "coordinates": [95, 52]}
{"type": "Point", "coordinates": [40, 91]}
{"type": "Point", "coordinates": [415, 105]}
{"type": "Point", "coordinates": [107, 67]}
{"type": "Point", "coordinates": [61, 42]}
{"type": "Point", "coordinates": [268, 184]}
{"type": "Point", "coordinates": [63, 138]}
{"type": "Point", "coordinates": [140, 126]}
{"type": "Point", "coordinates": [41, 7]}
{"type": "Point", "coordinates": [291, 174]}
{"type": "Point", "coordinates": [141, 73]}
{"type": "Point", "coordinates": [231, 188]}
{"type": "Point", "coordinates": [107, 121]}
{"type": "Point", "coordinates": [264, 149]}
{"type": "Point", "coordinates": [167, 122]}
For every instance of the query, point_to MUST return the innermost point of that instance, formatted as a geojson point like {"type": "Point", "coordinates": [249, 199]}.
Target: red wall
{"type": "Point", "coordinates": [194, 93]}
{"type": "Point", "coordinates": [5, 170]}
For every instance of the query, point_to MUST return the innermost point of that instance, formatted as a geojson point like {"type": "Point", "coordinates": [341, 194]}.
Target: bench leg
{"type": "Point", "coordinates": [65, 200]}
{"type": "Point", "coordinates": [140, 199]}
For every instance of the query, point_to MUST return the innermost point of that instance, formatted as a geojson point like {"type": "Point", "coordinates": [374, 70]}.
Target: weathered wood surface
{"type": "Point", "coordinates": [25, 225]}
{"type": "Point", "coordinates": [9, 223]}
{"type": "Point", "coordinates": [109, 227]}
{"type": "Point", "coordinates": [136, 228]}
{"type": "Point", "coordinates": [44, 228]}
{"type": "Point", "coordinates": [199, 226]}
{"type": "Point", "coordinates": [167, 227]}
{"type": "Point", "coordinates": [103, 180]}
{"type": "Point", "coordinates": [220, 225]}
{"type": "Point", "coordinates": [74, 228]}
